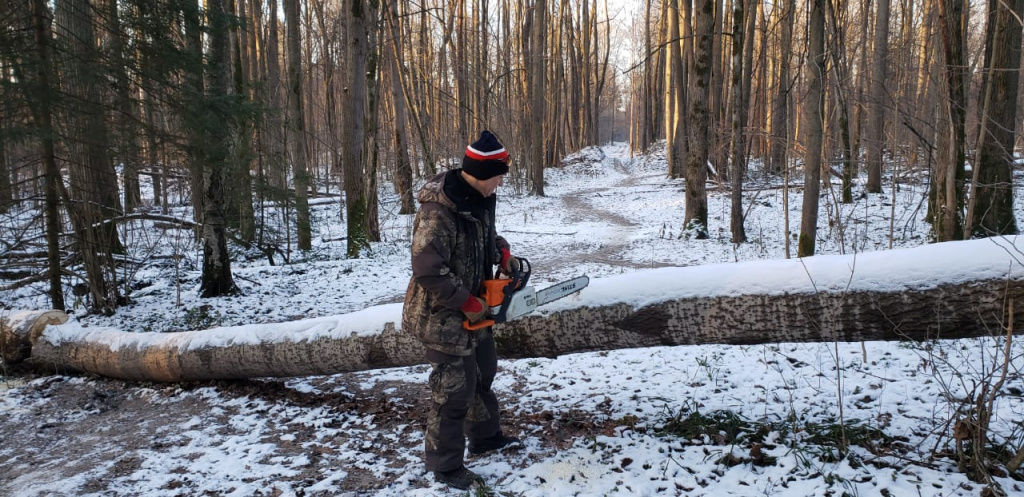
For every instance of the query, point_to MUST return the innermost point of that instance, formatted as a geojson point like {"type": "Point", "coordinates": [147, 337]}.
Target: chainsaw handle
{"type": "Point", "coordinates": [479, 325]}
{"type": "Point", "coordinates": [498, 293]}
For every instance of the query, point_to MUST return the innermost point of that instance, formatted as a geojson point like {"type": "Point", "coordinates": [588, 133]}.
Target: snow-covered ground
{"type": "Point", "coordinates": [702, 420]}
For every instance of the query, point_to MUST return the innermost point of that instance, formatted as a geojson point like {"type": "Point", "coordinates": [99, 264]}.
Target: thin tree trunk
{"type": "Point", "coordinates": [125, 136]}
{"type": "Point", "coordinates": [537, 94]}
{"type": "Point", "coordinates": [238, 204]}
{"type": "Point", "coordinates": [739, 119]}
{"type": "Point", "coordinates": [297, 127]}
{"type": "Point", "coordinates": [403, 167]}
{"type": "Point", "coordinates": [42, 90]}
{"type": "Point", "coordinates": [783, 84]}
{"type": "Point", "coordinates": [674, 93]}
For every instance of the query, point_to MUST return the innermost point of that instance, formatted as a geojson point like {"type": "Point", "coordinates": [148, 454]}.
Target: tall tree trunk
{"type": "Point", "coordinates": [814, 111]}
{"type": "Point", "coordinates": [537, 95]}
{"type": "Point", "coordinates": [357, 204]}
{"type": "Point", "coordinates": [6, 187]}
{"type": "Point", "coordinates": [238, 205]}
{"type": "Point", "coordinates": [403, 167]}
{"type": "Point", "coordinates": [696, 217]}
{"type": "Point", "coordinates": [217, 279]}
{"type": "Point", "coordinates": [674, 93]}
{"type": "Point", "coordinates": [126, 139]}
{"type": "Point", "coordinates": [719, 154]}
{"type": "Point", "coordinates": [843, 95]}
{"type": "Point", "coordinates": [875, 139]}
{"type": "Point", "coordinates": [93, 188]}
{"type": "Point", "coordinates": [950, 174]}
{"type": "Point", "coordinates": [783, 85]}
{"type": "Point", "coordinates": [297, 127]}
{"type": "Point", "coordinates": [42, 93]}
{"type": "Point", "coordinates": [991, 210]}
{"type": "Point", "coordinates": [739, 119]}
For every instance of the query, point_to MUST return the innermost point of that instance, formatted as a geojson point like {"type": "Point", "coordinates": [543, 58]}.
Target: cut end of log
{"type": "Point", "coordinates": [19, 330]}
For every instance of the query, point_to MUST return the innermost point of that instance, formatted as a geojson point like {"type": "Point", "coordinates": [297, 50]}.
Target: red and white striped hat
{"type": "Point", "coordinates": [486, 157]}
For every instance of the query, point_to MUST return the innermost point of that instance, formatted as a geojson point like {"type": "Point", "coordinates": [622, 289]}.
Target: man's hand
{"type": "Point", "coordinates": [509, 265]}
{"type": "Point", "coordinates": [474, 308]}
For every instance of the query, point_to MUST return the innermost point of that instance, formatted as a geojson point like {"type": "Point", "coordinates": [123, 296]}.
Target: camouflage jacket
{"type": "Point", "coordinates": [453, 252]}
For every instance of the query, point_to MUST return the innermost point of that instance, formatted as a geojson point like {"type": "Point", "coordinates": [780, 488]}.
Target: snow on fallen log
{"type": "Point", "coordinates": [947, 290]}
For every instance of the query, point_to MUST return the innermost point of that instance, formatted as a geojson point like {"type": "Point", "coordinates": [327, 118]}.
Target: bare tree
{"type": "Point", "coordinates": [675, 96]}
{"type": "Point", "coordinates": [814, 111]}
{"type": "Point", "coordinates": [403, 166]}
{"type": "Point", "coordinates": [217, 279]}
{"type": "Point", "coordinates": [538, 42]}
{"type": "Point", "coordinates": [93, 194]}
{"type": "Point", "coordinates": [739, 120]}
{"type": "Point", "coordinates": [360, 18]}
{"type": "Point", "coordinates": [41, 95]}
{"type": "Point", "coordinates": [875, 138]}
{"type": "Point", "coordinates": [991, 204]}
{"type": "Point", "coordinates": [783, 85]}
{"type": "Point", "coordinates": [297, 126]}
{"type": "Point", "coordinates": [948, 186]}
{"type": "Point", "coordinates": [696, 217]}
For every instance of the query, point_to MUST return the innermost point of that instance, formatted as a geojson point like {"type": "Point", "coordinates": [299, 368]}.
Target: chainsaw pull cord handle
{"type": "Point", "coordinates": [518, 280]}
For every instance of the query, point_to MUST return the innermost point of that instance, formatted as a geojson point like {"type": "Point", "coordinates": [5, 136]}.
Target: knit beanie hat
{"type": "Point", "coordinates": [486, 157]}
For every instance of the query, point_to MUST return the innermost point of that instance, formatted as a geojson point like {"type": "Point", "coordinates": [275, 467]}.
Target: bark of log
{"type": "Point", "coordinates": [334, 345]}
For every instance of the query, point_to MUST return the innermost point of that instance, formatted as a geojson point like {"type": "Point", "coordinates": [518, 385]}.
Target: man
{"type": "Point", "coordinates": [454, 249]}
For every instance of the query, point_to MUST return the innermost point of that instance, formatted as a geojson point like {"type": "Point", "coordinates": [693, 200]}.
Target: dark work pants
{"type": "Point", "coordinates": [463, 404]}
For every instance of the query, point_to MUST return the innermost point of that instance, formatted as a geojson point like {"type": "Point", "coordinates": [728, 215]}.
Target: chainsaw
{"type": "Point", "coordinates": [510, 298]}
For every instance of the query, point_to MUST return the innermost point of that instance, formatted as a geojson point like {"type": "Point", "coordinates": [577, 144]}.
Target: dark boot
{"type": "Point", "coordinates": [499, 441]}
{"type": "Point", "coordinates": [460, 478]}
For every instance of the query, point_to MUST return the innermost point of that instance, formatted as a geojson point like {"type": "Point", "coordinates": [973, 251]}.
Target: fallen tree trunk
{"type": "Point", "coordinates": [708, 307]}
{"type": "Point", "coordinates": [20, 329]}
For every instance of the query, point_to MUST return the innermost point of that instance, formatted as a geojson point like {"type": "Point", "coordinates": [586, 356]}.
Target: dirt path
{"type": "Point", "coordinates": [580, 208]}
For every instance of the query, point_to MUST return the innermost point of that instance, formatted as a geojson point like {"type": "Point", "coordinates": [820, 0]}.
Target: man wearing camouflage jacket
{"type": "Point", "coordinates": [454, 249]}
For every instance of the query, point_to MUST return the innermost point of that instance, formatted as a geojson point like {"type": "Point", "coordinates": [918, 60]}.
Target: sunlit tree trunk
{"type": "Point", "coordinates": [814, 110]}
{"type": "Point", "coordinates": [674, 93]}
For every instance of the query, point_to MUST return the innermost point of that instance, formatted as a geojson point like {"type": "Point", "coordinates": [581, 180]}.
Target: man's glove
{"type": "Point", "coordinates": [474, 308]}
{"type": "Point", "coordinates": [509, 265]}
